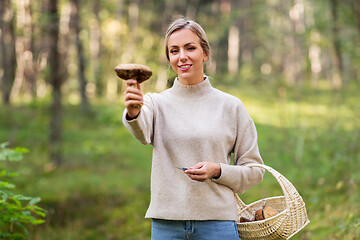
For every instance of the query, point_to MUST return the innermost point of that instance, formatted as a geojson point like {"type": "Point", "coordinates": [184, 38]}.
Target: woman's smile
{"type": "Point", "coordinates": [185, 67]}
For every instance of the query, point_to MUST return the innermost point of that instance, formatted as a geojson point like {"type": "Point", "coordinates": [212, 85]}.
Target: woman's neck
{"type": "Point", "coordinates": [193, 91]}
{"type": "Point", "coordinates": [192, 81]}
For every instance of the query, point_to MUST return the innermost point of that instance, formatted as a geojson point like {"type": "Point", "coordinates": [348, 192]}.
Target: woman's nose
{"type": "Point", "coordinates": [183, 56]}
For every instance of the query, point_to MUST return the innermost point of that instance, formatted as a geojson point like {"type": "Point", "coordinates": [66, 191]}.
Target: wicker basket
{"type": "Point", "coordinates": [291, 217]}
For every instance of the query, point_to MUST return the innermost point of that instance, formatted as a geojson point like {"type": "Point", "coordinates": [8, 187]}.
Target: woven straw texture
{"type": "Point", "coordinates": [291, 217]}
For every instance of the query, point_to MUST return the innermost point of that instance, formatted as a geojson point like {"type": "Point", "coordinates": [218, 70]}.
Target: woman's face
{"type": "Point", "coordinates": [186, 56]}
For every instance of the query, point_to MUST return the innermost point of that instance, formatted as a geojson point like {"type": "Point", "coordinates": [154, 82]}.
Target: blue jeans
{"type": "Point", "coordinates": [194, 230]}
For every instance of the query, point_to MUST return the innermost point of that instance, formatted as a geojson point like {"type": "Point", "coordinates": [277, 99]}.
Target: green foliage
{"type": "Point", "coordinates": [11, 154]}
{"type": "Point", "coordinates": [102, 190]}
{"type": "Point", "coordinates": [16, 211]}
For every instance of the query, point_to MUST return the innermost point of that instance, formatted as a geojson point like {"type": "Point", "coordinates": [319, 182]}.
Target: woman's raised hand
{"type": "Point", "coordinates": [133, 98]}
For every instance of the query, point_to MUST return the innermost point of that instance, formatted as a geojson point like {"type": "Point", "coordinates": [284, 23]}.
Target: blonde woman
{"type": "Point", "coordinates": [194, 129]}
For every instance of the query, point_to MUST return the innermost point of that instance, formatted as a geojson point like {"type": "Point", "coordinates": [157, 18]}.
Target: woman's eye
{"type": "Point", "coordinates": [173, 51]}
{"type": "Point", "coordinates": [191, 48]}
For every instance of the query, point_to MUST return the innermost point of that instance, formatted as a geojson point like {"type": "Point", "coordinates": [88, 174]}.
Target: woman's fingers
{"type": "Point", "coordinates": [197, 172]}
{"type": "Point", "coordinates": [203, 171]}
{"type": "Point", "coordinates": [133, 103]}
{"type": "Point", "coordinates": [133, 97]}
{"type": "Point", "coordinates": [200, 178]}
{"type": "Point", "coordinates": [133, 100]}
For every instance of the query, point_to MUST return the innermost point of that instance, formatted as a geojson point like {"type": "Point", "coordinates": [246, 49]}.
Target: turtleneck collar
{"type": "Point", "coordinates": [196, 90]}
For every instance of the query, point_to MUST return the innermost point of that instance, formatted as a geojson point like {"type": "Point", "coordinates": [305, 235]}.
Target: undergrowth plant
{"type": "Point", "coordinates": [17, 211]}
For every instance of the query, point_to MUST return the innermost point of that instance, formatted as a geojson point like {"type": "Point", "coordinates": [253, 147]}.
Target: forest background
{"type": "Point", "coordinates": [294, 63]}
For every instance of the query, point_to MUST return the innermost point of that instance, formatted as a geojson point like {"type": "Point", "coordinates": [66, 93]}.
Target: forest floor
{"type": "Point", "coordinates": [102, 188]}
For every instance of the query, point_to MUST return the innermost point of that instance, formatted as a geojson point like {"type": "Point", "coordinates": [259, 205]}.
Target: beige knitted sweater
{"type": "Point", "coordinates": [187, 124]}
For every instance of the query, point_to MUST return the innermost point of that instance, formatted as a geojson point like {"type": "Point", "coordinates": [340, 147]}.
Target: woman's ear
{"type": "Point", "coordinates": [206, 58]}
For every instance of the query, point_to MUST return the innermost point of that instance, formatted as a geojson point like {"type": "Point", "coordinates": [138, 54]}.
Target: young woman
{"type": "Point", "coordinates": [194, 129]}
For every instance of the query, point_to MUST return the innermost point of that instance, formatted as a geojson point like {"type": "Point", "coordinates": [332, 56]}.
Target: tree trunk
{"type": "Point", "coordinates": [133, 25]}
{"type": "Point", "coordinates": [56, 82]}
{"type": "Point", "coordinates": [32, 71]}
{"type": "Point", "coordinates": [357, 13]}
{"type": "Point", "coordinates": [337, 76]}
{"type": "Point", "coordinates": [294, 60]}
{"type": "Point", "coordinates": [25, 74]}
{"type": "Point", "coordinates": [246, 43]}
{"type": "Point", "coordinates": [357, 16]}
{"type": "Point", "coordinates": [233, 50]}
{"type": "Point", "coordinates": [192, 8]}
{"type": "Point", "coordinates": [81, 60]}
{"type": "Point", "coordinates": [7, 49]}
{"type": "Point", "coordinates": [95, 47]}
{"type": "Point", "coordinates": [64, 40]}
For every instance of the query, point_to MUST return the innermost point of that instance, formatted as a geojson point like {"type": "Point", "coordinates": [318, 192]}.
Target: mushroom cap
{"type": "Point", "coordinates": [133, 71]}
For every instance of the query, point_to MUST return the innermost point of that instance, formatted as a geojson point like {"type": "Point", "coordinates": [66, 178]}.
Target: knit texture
{"type": "Point", "coordinates": [187, 124]}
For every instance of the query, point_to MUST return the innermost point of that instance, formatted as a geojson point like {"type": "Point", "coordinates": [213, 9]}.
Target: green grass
{"type": "Point", "coordinates": [102, 189]}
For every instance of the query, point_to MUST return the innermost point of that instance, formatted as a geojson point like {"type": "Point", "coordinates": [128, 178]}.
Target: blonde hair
{"type": "Point", "coordinates": [182, 23]}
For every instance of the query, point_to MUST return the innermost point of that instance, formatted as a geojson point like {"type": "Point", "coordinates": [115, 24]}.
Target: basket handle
{"type": "Point", "coordinates": [240, 204]}
{"type": "Point", "coordinates": [287, 187]}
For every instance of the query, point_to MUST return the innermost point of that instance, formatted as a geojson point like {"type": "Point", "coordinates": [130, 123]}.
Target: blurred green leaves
{"type": "Point", "coordinates": [16, 211]}
{"type": "Point", "coordinates": [11, 155]}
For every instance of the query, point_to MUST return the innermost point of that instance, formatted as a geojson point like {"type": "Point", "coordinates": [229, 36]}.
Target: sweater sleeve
{"type": "Point", "coordinates": [239, 177]}
{"type": "Point", "coordinates": [142, 126]}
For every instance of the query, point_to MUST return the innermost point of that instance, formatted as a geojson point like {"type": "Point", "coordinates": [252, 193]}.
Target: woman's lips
{"type": "Point", "coordinates": [185, 67]}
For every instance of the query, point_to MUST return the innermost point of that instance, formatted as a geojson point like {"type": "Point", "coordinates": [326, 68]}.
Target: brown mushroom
{"type": "Point", "coordinates": [244, 219]}
{"type": "Point", "coordinates": [269, 212]}
{"type": "Point", "coordinates": [259, 215]}
{"type": "Point", "coordinates": [138, 72]}
{"type": "Point", "coordinates": [265, 213]}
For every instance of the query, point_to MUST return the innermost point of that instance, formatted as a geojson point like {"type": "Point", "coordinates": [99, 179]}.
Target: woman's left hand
{"type": "Point", "coordinates": [203, 171]}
